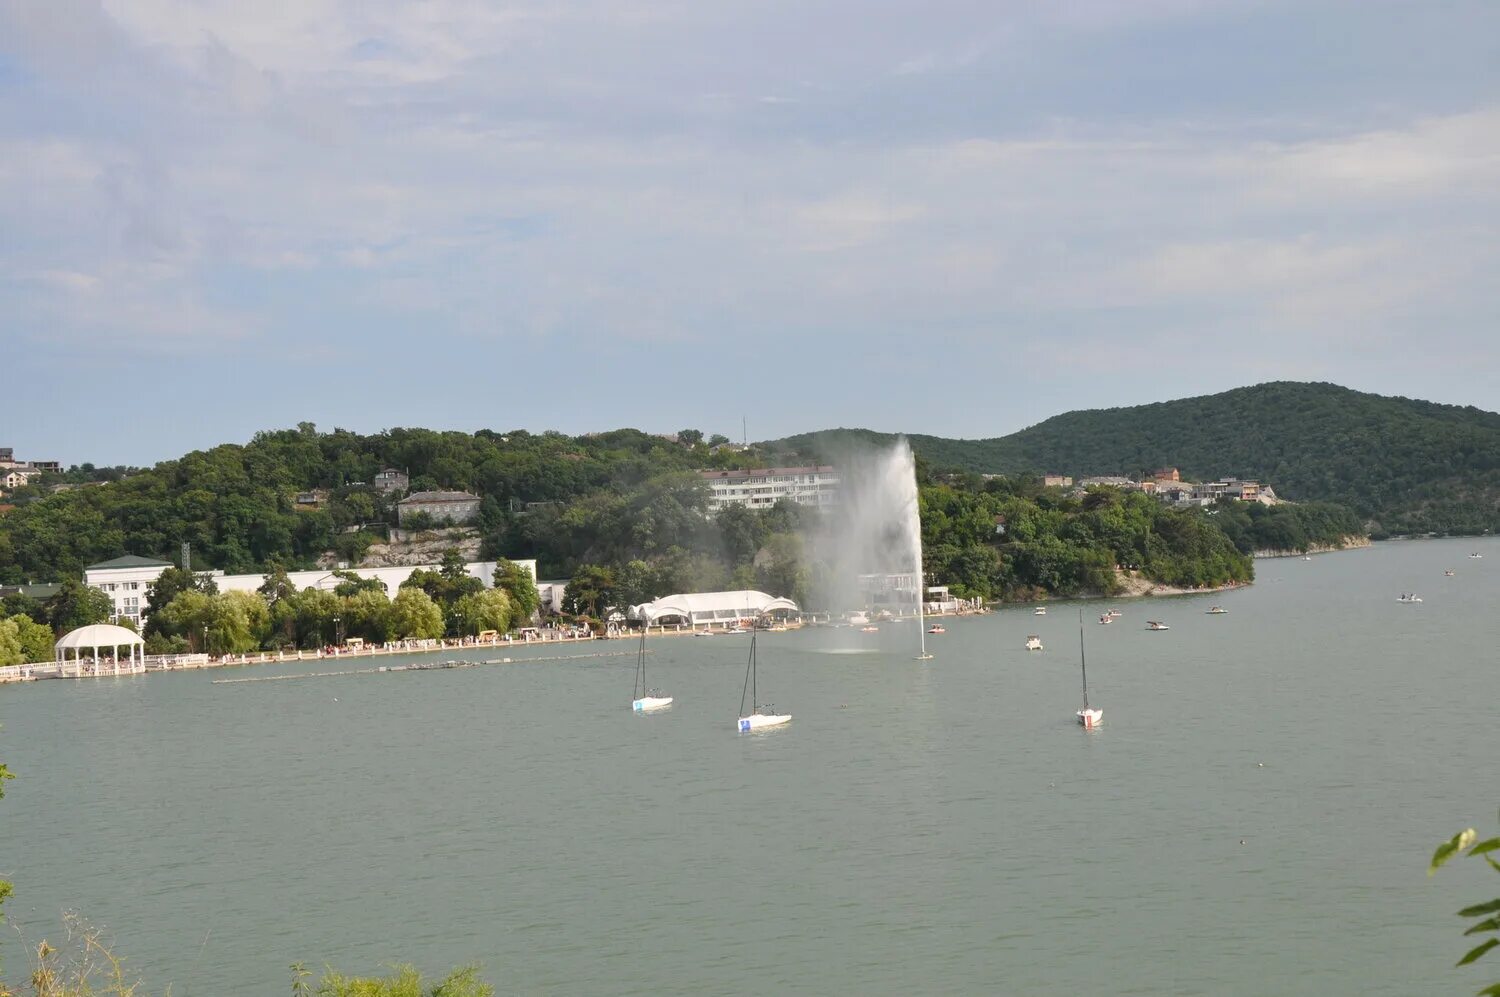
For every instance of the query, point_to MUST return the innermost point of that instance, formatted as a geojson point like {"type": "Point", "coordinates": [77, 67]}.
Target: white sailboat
{"type": "Point", "coordinates": [1088, 717]}
{"type": "Point", "coordinates": [760, 716]}
{"type": "Point", "coordinates": [643, 699]}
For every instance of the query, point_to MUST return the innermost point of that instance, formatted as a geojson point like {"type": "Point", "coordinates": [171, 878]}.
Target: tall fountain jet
{"type": "Point", "coordinates": [871, 544]}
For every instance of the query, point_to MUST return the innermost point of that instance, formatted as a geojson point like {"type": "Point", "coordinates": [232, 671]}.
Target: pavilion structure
{"type": "Point", "coordinates": [710, 609]}
{"type": "Point", "coordinates": [96, 651]}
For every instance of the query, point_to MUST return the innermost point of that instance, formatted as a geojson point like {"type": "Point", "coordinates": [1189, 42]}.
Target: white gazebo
{"type": "Point", "coordinates": [94, 639]}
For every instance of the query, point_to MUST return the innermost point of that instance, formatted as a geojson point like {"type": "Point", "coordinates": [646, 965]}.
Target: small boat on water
{"type": "Point", "coordinates": [760, 715]}
{"type": "Point", "coordinates": [644, 699]}
{"type": "Point", "coordinates": [1033, 643]}
{"type": "Point", "coordinates": [1115, 613]}
{"type": "Point", "coordinates": [1216, 610]}
{"type": "Point", "coordinates": [1089, 717]}
{"type": "Point", "coordinates": [1039, 611]}
{"type": "Point", "coordinates": [703, 633]}
{"type": "Point", "coordinates": [869, 630]}
{"type": "Point", "coordinates": [1448, 574]}
{"type": "Point", "coordinates": [1476, 554]}
{"type": "Point", "coordinates": [937, 628]}
{"type": "Point", "coordinates": [1409, 597]}
{"type": "Point", "coordinates": [1156, 625]}
{"type": "Point", "coordinates": [1106, 618]}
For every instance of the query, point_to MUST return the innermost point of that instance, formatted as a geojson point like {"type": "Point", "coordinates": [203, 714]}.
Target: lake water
{"type": "Point", "coordinates": [938, 827]}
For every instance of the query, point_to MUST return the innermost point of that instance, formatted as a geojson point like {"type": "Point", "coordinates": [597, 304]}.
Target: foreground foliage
{"type": "Point", "coordinates": [1466, 843]}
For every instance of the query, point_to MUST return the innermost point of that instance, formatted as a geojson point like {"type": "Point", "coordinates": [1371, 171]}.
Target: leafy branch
{"type": "Point", "coordinates": [1465, 842]}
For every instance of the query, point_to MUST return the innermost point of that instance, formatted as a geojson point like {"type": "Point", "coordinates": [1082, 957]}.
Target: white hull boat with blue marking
{"type": "Point", "coordinates": [760, 721]}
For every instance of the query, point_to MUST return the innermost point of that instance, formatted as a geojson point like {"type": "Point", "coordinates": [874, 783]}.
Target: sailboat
{"type": "Point", "coordinates": [760, 716]}
{"type": "Point", "coordinates": [643, 700]}
{"type": "Point", "coordinates": [1088, 717]}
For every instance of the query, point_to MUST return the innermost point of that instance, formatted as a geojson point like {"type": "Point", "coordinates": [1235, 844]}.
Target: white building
{"type": "Point", "coordinates": [15, 478]}
{"type": "Point", "coordinates": [125, 580]}
{"type": "Point", "coordinates": [760, 489]}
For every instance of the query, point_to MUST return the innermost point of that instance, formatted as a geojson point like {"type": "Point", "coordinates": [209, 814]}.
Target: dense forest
{"type": "Point", "coordinates": [1405, 466]}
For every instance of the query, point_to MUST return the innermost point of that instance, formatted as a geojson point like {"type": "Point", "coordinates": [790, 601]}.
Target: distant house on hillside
{"type": "Point", "coordinates": [1112, 480]}
{"type": "Point", "coordinates": [311, 500]}
{"type": "Point", "coordinates": [1056, 480]}
{"type": "Point", "coordinates": [1165, 474]}
{"type": "Point", "coordinates": [456, 508]}
{"type": "Point", "coordinates": [392, 480]}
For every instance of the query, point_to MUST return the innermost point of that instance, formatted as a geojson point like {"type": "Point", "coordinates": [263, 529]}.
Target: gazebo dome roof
{"type": "Point", "coordinates": [100, 635]}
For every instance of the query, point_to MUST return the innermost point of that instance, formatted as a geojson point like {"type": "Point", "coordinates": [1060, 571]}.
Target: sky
{"type": "Point", "coordinates": [956, 218]}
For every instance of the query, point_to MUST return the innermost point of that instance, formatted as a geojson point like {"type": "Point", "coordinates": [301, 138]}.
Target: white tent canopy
{"type": "Point", "coordinates": [708, 608]}
{"type": "Point", "coordinates": [87, 643]}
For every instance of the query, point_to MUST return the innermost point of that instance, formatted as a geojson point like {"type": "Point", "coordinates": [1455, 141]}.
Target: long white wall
{"type": "Point", "coordinates": [131, 583]}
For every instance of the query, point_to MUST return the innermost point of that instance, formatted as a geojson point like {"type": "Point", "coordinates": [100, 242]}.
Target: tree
{"type": "Point", "coordinates": [591, 588]}
{"type": "Point", "coordinates": [690, 437]}
{"type": "Point", "coordinates": [10, 643]}
{"type": "Point", "coordinates": [352, 584]}
{"type": "Point", "coordinates": [718, 440]}
{"type": "Point", "coordinates": [1466, 842]}
{"type": "Point", "coordinates": [516, 582]}
{"type": "Point", "coordinates": [445, 589]}
{"type": "Point", "coordinates": [414, 615]}
{"type": "Point", "coordinates": [277, 586]}
{"type": "Point", "coordinates": [454, 568]}
{"type": "Point", "coordinates": [23, 605]}
{"type": "Point", "coordinates": [491, 609]}
{"type": "Point", "coordinates": [37, 641]}
{"type": "Point", "coordinates": [78, 605]}
{"type": "Point", "coordinates": [367, 614]}
{"type": "Point", "coordinates": [169, 584]}
{"type": "Point", "coordinates": [227, 623]}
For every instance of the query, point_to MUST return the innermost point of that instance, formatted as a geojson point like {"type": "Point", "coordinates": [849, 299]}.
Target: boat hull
{"type": "Point", "coordinates": [1089, 719]}
{"type": "Point", "coordinates": [648, 703]}
{"type": "Point", "coordinates": [760, 721]}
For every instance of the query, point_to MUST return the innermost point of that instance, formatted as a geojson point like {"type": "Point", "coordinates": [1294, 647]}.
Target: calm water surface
{"type": "Point", "coordinates": [938, 827]}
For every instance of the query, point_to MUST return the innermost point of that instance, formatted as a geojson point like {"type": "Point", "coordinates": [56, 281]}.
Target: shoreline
{"type": "Point", "coordinates": [1348, 543]}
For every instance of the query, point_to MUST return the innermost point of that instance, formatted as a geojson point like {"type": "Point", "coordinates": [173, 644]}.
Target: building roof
{"type": "Point", "coordinates": [100, 635]}
{"type": "Point", "coordinates": [691, 604]}
{"type": "Point", "coordinates": [129, 561]}
{"type": "Point", "coordinates": [41, 591]}
{"type": "Point", "coordinates": [428, 497]}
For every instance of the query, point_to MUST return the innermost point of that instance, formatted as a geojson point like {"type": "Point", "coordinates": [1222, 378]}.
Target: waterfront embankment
{"type": "Point", "coordinates": [1348, 543]}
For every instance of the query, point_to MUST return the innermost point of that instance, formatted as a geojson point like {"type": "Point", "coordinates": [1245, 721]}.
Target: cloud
{"type": "Point", "coordinates": [559, 178]}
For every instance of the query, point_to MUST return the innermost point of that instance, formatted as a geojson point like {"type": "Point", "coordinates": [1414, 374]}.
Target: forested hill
{"type": "Point", "coordinates": [1406, 466]}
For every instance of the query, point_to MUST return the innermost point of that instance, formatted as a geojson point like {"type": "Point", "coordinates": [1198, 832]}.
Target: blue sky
{"type": "Point", "coordinates": [955, 218]}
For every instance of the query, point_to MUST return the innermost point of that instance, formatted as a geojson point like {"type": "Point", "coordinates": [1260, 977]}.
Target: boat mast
{"type": "Point", "coordinates": [921, 623]}
{"type": "Point", "coordinates": [749, 676]}
{"type": "Point", "coordinates": [640, 665]}
{"type": "Point", "coordinates": [1083, 665]}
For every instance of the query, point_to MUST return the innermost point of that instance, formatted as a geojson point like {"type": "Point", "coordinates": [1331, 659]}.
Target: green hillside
{"type": "Point", "coordinates": [1407, 466]}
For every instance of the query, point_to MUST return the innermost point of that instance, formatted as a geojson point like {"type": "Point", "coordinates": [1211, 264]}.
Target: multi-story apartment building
{"type": "Point", "coordinates": [762, 488]}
